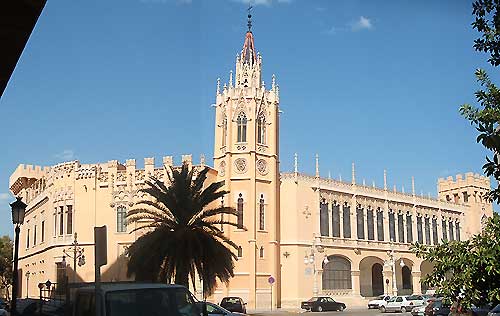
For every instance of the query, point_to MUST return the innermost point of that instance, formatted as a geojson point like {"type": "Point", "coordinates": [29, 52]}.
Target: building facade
{"type": "Point", "coordinates": [299, 235]}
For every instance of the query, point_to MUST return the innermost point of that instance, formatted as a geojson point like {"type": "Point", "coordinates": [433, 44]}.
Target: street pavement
{"type": "Point", "coordinates": [350, 312]}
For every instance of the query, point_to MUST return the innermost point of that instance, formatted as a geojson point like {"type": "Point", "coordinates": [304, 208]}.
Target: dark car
{"type": "Point", "coordinates": [234, 304]}
{"type": "Point", "coordinates": [457, 310]}
{"type": "Point", "coordinates": [495, 311]}
{"type": "Point", "coordinates": [437, 307]}
{"type": "Point", "coordinates": [322, 303]}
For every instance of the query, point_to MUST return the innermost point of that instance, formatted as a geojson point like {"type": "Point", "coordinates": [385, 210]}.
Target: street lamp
{"type": "Point", "coordinates": [392, 263]}
{"type": "Point", "coordinates": [18, 211]}
{"type": "Point", "coordinates": [27, 274]}
{"type": "Point", "coordinates": [311, 259]}
{"type": "Point", "coordinates": [77, 254]}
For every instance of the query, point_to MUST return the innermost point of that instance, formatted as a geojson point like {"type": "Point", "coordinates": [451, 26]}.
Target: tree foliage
{"type": "Point", "coordinates": [183, 236]}
{"type": "Point", "coordinates": [6, 254]}
{"type": "Point", "coordinates": [487, 22]}
{"type": "Point", "coordinates": [486, 117]}
{"type": "Point", "coordinates": [467, 271]}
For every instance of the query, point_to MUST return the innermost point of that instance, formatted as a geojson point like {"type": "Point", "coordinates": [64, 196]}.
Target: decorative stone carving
{"type": "Point", "coordinates": [262, 166]}
{"type": "Point", "coordinates": [241, 147]}
{"type": "Point", "coordinates": [222, 168]}
{"type": "Point", "coordinates": [121, 176]}
{"type": "Point", "coordinates": [241, 165]}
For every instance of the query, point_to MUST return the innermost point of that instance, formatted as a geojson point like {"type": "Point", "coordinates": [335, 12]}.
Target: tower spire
{"type": "Point", "coordinates": [248, 53]}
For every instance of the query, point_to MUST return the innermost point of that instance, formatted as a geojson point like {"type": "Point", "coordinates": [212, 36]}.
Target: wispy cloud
{"type": "Point", "coordinates": [65, 155]}
{"type": "Point", "coordinates": [5, 197]}
{"type": "Point", "coordinates": [263, 2]}
{"type": "Point", "coordinates": [363, 23]}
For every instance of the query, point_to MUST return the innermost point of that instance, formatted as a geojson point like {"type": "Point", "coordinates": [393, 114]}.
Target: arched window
{"type": "Point", "coordinates": [420, 234]}
{"type": "Point", "coordinates": [392, 226]}
{"type": "Point", "coordinates": [457, 229]}
{"type": "Point", "coordinates": [323, 218]}
{"type": "Point", "coordinates": [224, 130]}
{"type": "Point", "coordinates": [427, 231]}
{"type": "Point", "coordinates": [240, 211]}
{"type": "Point", "coordinates": [337, 274]}
{"type": "Point", "coordinates": [121, 220]}
{"type": "Point", "coordinates": [360, 221]}
{"type": "Point", "coordinates": [409, 224]}
{"type": "Point", "coordinates": [370, 227]}
{"type": "Point", "coordinates": [401, 228]}
{"type": "Point", "coordinates": [445, 233]}
{"type": "Point", "coordinates": [261, 129]}
{"type": "Point", "coordinates": [240, 252]}
{"type": "Point", "coordinates": [450, 230]}
{"type": "Point", "coordinates": [242, 128]}
{"type": "Point", "coordinates": [261, 252]}
{"type": "Point", "coordinates": [346, 220]}
{"type": "Point", "coordinates": [434, 231]}
{"type": "Point", "coordinates": [261, 212]}
{"type": "Point", "coordinates": [335, 220]}
{"type": "Point", "coordinates": [406, 276]}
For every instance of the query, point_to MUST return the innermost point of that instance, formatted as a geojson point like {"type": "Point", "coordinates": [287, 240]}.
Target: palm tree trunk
{"type": "Point", "coordinates": [182, 276]}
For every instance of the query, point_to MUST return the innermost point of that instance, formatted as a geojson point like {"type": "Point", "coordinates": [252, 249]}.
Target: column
{"type": "Point", "coordinates": [417, 288]}
{"type": "Point", "coordinates": [330, 219]}
{"type": "Point", "coordinates": [387, 236]}
{"type": "Point", "coordinates": [354, 224]}
{"type": "Point", "coordinates": [356, 289]}
{"type": "Point", "coordinates": [365, 221]}
{"type": "Point", "coordinates": [414, 224]}
{"type": "Point", "coordinates": [375, 224]}
{"type": "Point", "coordinates": [341, 219]}
{"type": "Point", "coordinates": [440, 225]}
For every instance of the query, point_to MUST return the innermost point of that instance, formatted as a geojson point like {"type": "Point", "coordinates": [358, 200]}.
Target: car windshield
{"type": "Point", "coordinates": [313, 299]}
{"type": "Point", "coordinates": [393, 299]}
{"type": "Point", "coordinates": [230, 300]}
{"type": "Point", "coordinates": [381, 297]}
{"type": "Point", "coordinates": [154, 302]}
{"type": "Point", "coordinates": [496, 309]}
{"type": "Point", "coordinates": [413, 297]}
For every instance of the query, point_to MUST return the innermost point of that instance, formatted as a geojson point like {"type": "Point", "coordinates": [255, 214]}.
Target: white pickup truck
{"type": "Point", "coordinates": [135, 299]}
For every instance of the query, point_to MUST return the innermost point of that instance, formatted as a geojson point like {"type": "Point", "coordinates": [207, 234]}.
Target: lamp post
{"type": "Point", "coordinates": [311, 259]}
{"type": "Point", "coordinates": [77, 254]}
{"type": "Point", "coordinates": [18, 211]}
{"type": "Point", "coordinates": [27, 274]}
{"type": "Point", "coordinates": [391, 261]}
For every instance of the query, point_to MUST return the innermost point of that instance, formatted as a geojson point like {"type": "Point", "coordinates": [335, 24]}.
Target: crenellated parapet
{"type": "Point", "coordinates": [28, 176]}
{"type": "Point", "coordinates": [463, 188]}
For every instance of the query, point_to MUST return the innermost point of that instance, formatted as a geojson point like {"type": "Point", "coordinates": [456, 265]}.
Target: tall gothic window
{"type": "Point", "coordinates": [55, 221]}
{"type": "Point", "coordinates": [240, 252]}
{"type": "Point", "coordinates": [380, 225]}
{"type": "Point", "coordinates": [434, 231]}
{"type": "Point", "coordinates": [401, 228]}
{"type": "Point", "coordinates": [61, 220]}
{"type": "Point", "coordinates": [360, 221]}
{"type": "Point", "coordinates": [406, 276]}
{"type": "Point", "coordinates": [337, 274]}
{"type": "Point", "coordinates": [241, 121]}
{"type": "Point", "coordinates": [28, 238]}
{"type": "Point", "coordinates": [392, 227]}
{"type": "Point", "coordinates": [335, 220]}
{"type": "Point", "coordinates": [222, 214]}
{"type": "Point", "coordinates": [34, 235]}
{"type": "Point", "coordinates": [121, 219]}
{"type": "Point", "coordinates": [42, 233]}
{"type": "Point", "coordinates": [445, 234]}
{"type": "Point", "coordinates": [450, 228]}
{"type": "Point", "coordinates": [371, 228]}
{"type": "Point", "coordinates": [261, 252]}
{"type": "Point", "coordinates": [427, 231]}
{"type": "Point", "coordinates": [457, 229]}
{"type": "Point", "coordinates": [239, 210]}
{"type": "Point", "coordinates": [409, 226]}
{"type": "Point", "coordinates": [69, 220]}
{"type": "Point", "coordinates": [420, 234]}
{"type": "Point", "coordinates": [346, 220]}
{"type": "Point", "coordinates": [224, 130]}
{"type": "Point", "coordinates": [261, 129]}
{"type": "Point", "coordinates": [323, 218]}
{"type": "Point", "coordinates": [261, 212]}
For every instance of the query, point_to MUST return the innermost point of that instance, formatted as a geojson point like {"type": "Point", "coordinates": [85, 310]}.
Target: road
{"type": "Point", "coordinates": [350, 312]}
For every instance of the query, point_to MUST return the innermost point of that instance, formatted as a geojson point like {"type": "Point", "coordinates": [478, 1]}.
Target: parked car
{"type": "Point", "coordinates": [437, 307]}
{"type": "Point", "coordinates": [214, 309]}
{"type": "Point", "coordinates": [495, 311]}
{"type": "Point", "coordinates": [397, 304]}
{"type": "Point", "coordinates": [234, 304]}
{"type": "Point", "coordinates": [322, 303]}
{"type": "Point", "coordinates": [417, 300]}
{"type": "Point", "coordinates": [456, 310]}
{"type": "Point", "coordinates": [420, 310]}
{"type": "Point", "coordinates": [379, 301]}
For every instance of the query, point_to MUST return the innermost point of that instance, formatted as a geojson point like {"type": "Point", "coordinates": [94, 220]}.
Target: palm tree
{"type": "Point", "coordinates": [182, 236]}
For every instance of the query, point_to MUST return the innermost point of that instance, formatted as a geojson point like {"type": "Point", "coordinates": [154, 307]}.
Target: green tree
{"type": "Point", "coordinates": [486, 118]}
{"type": "Point", "coordinates": [467, 271]}
{"type": "Point", "coordinates": [183, 235]}
{"type": "Point", "coordinates": [6, 263]}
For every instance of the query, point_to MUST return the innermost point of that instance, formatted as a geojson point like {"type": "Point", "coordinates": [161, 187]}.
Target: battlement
{"type": "Point", "coordinates": [463, 181]}
{"type": "Point", "coordinates": [25, 175]}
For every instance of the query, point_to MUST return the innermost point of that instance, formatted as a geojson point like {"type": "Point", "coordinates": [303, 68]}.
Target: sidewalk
{"type": "Point", "coordinates": [283, 311]}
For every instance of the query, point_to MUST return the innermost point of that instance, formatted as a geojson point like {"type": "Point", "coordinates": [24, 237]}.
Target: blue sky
{"type": "Point", "coordinates": [374, 82]}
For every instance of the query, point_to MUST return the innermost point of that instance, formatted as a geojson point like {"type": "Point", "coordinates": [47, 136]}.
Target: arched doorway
{"type": "Point", "coordinates": [426, 268]}
{"type": "Point", "coordinates": [337, 274]}
{"type": "Point", "coordinates": [377, 279]}
{"type": "Point", "coordinates": [406, 277]}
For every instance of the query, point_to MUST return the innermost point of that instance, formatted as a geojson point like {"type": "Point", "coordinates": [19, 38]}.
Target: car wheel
{"type": "Point", "coordinates": [403, 309]}
{"type": "Point", "coordinates": [382, 309]}
{"type": "Point", "coordinates": [341, 308]}
{"type": "Point", "coordinates": [319, 309]}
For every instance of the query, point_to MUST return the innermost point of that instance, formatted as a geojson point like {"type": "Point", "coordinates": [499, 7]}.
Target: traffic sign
{"type": "Point", "coordinates": [271, 280]}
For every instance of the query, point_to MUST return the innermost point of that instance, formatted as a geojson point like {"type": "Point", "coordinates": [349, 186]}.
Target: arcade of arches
{"type": "Point", "coordinates": [372, 276]}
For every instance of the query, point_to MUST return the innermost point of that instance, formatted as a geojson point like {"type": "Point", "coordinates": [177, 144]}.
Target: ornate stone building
{"type": "Point", "coordinates": [312, 235]}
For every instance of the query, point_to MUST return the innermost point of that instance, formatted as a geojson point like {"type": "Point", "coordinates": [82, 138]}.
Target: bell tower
{"type": "Point", "coordinates": [246, 155]}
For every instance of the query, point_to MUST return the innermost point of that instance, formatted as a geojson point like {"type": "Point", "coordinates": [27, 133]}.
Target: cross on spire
{"type": "Point", "coordinates": [249, 23]}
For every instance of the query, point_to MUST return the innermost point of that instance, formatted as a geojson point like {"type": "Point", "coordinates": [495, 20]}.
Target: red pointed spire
{"type": "Point", "coordinates": [248, 53]}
